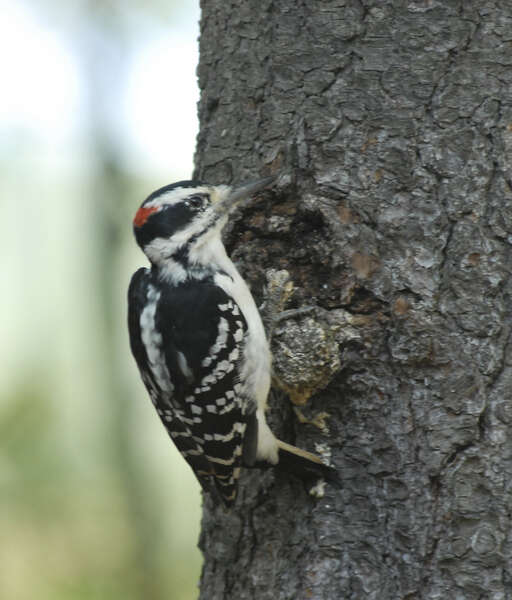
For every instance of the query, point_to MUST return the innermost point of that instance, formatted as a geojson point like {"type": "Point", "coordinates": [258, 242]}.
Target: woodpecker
{"type": "Point", "coordinates": [199, 342]}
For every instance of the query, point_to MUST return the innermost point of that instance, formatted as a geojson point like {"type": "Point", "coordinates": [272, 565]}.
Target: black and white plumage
{"type": "Point", "coordinates": [198, 339]}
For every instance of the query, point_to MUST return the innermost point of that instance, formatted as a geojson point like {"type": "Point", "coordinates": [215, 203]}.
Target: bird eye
{"type": "Point", "coordinates": [196, 201]}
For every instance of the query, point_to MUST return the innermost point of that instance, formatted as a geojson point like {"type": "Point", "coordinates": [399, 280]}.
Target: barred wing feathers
{"type": "Point", "coordinates": [188, 342]}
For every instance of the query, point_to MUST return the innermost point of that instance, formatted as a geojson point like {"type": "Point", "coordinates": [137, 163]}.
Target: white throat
{"type": "Point", "coordinates": [206, 256]}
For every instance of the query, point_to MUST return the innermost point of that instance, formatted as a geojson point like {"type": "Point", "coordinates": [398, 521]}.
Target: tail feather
{"type": "Point", "coordinates": [305, 465]}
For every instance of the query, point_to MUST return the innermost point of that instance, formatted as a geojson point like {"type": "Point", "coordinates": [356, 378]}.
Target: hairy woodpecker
{"type": "Point", "coordinates": [199, 341]}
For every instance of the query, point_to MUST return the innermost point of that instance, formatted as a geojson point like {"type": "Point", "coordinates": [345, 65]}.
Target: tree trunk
{"type": "Point", "coordinates": [391, 123]}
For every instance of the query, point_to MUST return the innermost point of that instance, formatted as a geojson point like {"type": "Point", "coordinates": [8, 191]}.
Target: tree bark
{"type": "Point", "coordinates": [391, 123]}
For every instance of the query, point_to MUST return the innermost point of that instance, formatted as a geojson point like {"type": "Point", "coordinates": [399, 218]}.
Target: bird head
{"type": "Point", "coordinates": [176, 219]}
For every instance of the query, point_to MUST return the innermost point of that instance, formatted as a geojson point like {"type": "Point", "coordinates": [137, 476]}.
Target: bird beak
{"type": "Point", "coordinates": [248, 189]}
{"type": "Point", "coordinates": [229, 198]}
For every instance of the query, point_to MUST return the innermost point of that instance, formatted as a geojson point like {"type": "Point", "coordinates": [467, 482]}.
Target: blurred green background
{"type": "Point", "coordinates": [97, 109]}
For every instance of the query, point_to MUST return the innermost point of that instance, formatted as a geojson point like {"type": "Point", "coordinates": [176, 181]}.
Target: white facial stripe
{"type": "Point", "coordinates": [168, 246]}
{"type": "Point", "coordinates": [201, 231]}
{"type": "Point", "coordinates": [161, 249]}
{"type": "Point", "coordinates": [171, 197]}
{"type": "Point", "coordinates": [178, 195]}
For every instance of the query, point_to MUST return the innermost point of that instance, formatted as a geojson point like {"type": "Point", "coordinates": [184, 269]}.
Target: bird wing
{"type": "Point", "coordinates": [188, 344]}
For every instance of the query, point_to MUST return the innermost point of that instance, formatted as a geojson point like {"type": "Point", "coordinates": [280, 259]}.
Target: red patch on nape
{"type": "Point", "coordinates": [141, 216]}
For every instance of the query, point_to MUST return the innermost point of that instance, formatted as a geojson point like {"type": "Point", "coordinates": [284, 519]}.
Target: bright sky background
{"type": "Point", "coordinates": [160, 112]}
{"type": "Point", "coordinates": [43, 94]}
{"type": "Point", "coordinates": [43, 102]}
{"type": "Point", "coordinates": [63, 71]}
{"type": "Point", "coordinates": [146, 105]}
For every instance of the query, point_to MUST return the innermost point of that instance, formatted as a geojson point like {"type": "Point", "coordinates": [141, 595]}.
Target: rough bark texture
{"type": "Point", "coordinates": [392, 121]}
